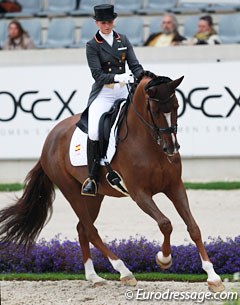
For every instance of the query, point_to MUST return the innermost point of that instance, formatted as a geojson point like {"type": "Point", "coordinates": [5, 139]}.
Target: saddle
{"type": "Point", "coordinates": [105, 124]}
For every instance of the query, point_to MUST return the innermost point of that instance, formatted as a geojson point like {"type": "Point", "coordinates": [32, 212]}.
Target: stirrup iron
{"type": "Point", "coordinates": [89, 187]}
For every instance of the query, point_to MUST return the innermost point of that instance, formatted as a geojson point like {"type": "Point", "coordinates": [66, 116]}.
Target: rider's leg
{"type": "Point", "coordinates": [100, 105]}
{"type": "Point", "coordinates": [90, 185]}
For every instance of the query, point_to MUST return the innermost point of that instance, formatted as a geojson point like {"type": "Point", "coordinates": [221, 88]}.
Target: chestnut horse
{"type": "Point", "coordinates": [147, 159]}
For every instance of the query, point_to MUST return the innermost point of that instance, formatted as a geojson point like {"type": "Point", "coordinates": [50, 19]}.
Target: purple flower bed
{"type": "Point", "coordinates": [137, 253]}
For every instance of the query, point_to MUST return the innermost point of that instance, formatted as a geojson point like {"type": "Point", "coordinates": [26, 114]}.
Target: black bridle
{"type": "Point", "coordinates": [157, 131]}
{"type": "Point", "coordinates": [166, 130]}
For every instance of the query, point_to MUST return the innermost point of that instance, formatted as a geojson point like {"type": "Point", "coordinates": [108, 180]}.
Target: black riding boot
{"type": "Point", "coordinates": [89, 186]}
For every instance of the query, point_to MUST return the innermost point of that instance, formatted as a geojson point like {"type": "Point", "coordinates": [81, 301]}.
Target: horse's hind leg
{"type": "Point", "coordinates": [179, 198]}
{"type": "Point", "coordinates": [82, 205]}
{"type": "Point", "coordinates": [90, 273]}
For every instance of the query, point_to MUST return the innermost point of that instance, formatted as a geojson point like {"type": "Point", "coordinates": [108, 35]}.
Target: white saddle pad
{"type": "Point", "coordinates": [78, 146]}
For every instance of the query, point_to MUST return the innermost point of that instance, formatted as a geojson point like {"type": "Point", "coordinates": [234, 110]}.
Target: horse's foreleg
{"type": "Point", "coordinates": [179, 198]}
{"type": "Point", "coordinates": [146, 203]}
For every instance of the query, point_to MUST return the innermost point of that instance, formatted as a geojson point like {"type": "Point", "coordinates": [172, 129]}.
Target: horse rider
{"type": "Point", "coordinates": [107, 54]}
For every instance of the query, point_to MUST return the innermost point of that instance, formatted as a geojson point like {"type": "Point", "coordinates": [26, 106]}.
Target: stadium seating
{"type": "Point", "coordinates": [3, 32]}
{"type": "Point", "coordinates": [127, 6]}
{"type": "Point", "coordinates": [190, 26]}
{"type": "Point", "coordinates": [85, 7]}
{"type": "Point", "coordinates": [61, 33]}
{"type": "Point", "coordinates": [29, 9]}
{"type": "Point", "coordinates": [88, 30]}
{"type": "Point", "coordinates": [34, 29]}
{"type": "Point", "coordinates": [229, 28]}
{"type": "Point", "coordinates": [132, 27]}
{"type": "Point", "coordinates": [189, 8]}
{"type": "Point", "coordinates": [221, 8]}
{"type": "Point", "coordinates": [155, 25]}
{"type": "Point", "coordinates": [157, 7]}
{"type": "Point", "coordinates": [58, 8]}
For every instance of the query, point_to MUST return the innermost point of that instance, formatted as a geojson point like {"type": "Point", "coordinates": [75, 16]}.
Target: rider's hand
{"type": "Point", "coordinates": [124, 78]}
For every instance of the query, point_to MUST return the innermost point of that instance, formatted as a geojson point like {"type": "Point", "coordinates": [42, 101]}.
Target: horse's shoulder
{"type": "Point", "coordinates": [66, 124]}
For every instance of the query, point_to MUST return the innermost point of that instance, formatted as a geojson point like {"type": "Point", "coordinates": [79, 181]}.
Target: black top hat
{"type": "Point", "coordinates": [104, 12]}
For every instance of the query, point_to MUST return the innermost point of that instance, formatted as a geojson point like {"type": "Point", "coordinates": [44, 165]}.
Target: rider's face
{"type": "Point", "coordinates": [105, 26]}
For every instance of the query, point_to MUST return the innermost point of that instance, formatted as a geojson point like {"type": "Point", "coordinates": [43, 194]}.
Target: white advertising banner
{"type": "Point", "coordinates": [209, 112]}
{"type": "Point", "coordinates": [33, 99]}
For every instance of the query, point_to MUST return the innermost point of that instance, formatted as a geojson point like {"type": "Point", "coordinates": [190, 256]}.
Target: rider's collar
{"type": "Point", "coordinates": [99, 38]}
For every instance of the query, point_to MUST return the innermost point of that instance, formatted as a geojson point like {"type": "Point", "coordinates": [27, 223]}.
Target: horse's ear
{"type": "Point", "coordinates": [175, 83]}
{"type": "Point", "coordinates": [152, 91]}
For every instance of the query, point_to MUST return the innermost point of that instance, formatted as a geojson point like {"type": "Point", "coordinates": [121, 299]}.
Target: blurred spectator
{"type": "Point", "coordinates": [169, 36]}
{"type": "Point", "coordinates": [206, 33]}
{"type": "Point", "coordinates": [18, 38]}
{"type": "Point", "coordinates": [9, 6]}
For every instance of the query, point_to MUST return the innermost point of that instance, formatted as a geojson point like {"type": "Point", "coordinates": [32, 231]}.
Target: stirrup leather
{"type": "Point", "coordinates": [89, 187]}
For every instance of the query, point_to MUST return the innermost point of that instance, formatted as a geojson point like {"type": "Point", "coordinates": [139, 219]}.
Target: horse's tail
{"type": "Point", "coordinates": [22, 222]}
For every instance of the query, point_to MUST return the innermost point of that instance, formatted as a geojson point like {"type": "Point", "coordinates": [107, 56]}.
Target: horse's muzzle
{"type": "Point", "coordinates": [171, 150]}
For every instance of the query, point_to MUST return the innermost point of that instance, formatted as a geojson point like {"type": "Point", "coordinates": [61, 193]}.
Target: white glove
{"type": "Point", "coordinates": [124, 78]}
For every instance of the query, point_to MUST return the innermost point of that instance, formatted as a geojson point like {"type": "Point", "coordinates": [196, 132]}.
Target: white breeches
{"type": "Point", "coordinates": [103, 103]}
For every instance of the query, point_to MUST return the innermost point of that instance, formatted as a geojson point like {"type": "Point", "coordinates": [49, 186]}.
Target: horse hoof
{"type": "Point", "coordinates": [99, 283]}
{"type": "Point", "coordinates": [162, 265]}
{"type": "Point", "coordinates": [129, 280]}
{"type": "Point", "coordinates": [216, 286]}
{"type": "Point", "coordinates": [96, 280]}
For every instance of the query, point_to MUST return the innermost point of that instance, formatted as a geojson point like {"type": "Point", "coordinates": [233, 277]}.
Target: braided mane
{"type": "Point", "coordinates": [156, 80]}
{"type": "Point", "coordinates": [146, 73]}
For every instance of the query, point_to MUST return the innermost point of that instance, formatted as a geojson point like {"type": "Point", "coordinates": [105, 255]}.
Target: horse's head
{"type": "Point", "coordinates": [160, 115]}
{"type": "Point", "coordinates": [162, 107]}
